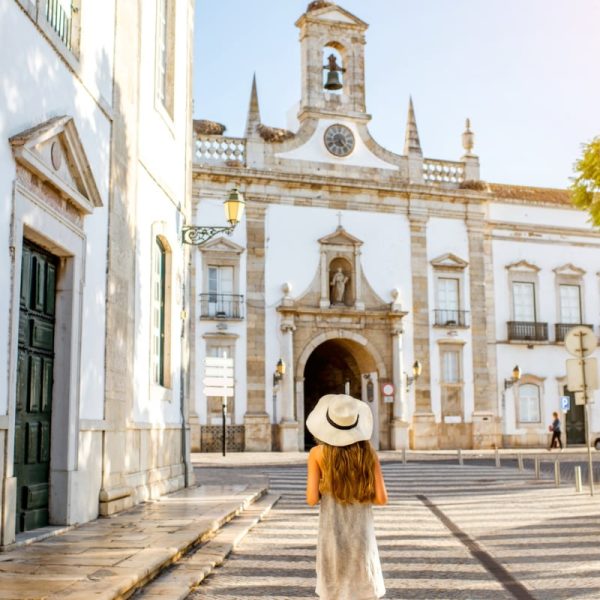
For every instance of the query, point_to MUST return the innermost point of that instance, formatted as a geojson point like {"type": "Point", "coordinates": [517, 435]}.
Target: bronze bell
{"type": "Point", "coordinates": [333, 81]}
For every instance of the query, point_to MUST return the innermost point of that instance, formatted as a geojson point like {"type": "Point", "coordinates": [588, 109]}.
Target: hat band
{"type": "Point", "coordinates": [342, 427]}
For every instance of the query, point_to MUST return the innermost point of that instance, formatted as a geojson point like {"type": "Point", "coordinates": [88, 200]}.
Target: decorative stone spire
{"type": "Point", "coordinates": [412, 145]}
{"type": "Point", "coordinates": [468, 138]}
{"type": "Point", "coordinates": [253, 120]}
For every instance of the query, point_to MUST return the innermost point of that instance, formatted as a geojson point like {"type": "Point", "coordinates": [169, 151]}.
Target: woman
{"type": "Point", "coordinates": [556, 432]}
{"type": "Point", "coordinates": [345, 475]}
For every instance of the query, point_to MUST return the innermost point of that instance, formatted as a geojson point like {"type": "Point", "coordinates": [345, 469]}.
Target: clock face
{"type": "Point", "coordinates": [339, 140]}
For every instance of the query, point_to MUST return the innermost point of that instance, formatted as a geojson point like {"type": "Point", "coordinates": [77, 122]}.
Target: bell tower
{"type": "Point", "coordinates": [333, 67]}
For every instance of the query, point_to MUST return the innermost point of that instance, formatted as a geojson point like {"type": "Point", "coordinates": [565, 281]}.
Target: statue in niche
{"type": "Point", "coordinates": [338, 286]}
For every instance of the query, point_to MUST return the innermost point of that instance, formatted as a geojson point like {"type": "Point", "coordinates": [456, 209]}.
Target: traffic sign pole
{"type": "Point", "coordinates": [587, 411]}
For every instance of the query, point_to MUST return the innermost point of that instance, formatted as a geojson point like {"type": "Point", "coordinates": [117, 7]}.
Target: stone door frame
{"type": "Point", "coordinates": [34, 220]}
{"type": "Point", "coordinates": [337, 334]}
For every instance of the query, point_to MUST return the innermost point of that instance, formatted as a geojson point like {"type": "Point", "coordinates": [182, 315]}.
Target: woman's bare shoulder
{"type": "Point", "coordinates": [316, 453]}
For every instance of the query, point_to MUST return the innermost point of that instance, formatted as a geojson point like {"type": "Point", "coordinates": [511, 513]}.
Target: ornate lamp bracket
{"type": "Point", "coordinates": [196, 234]}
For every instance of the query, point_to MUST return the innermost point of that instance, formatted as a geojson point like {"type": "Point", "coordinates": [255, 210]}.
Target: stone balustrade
{"type": "Point", "coordinates": [219, 150]}
{"type": "Point", "coordinates": [443, 171]}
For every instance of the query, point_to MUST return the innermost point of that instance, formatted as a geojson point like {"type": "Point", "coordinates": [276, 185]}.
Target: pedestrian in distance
{"type": "Point", "coordinates": [344, 475]}
{"type": "Point", "coordinates": [556, 432]}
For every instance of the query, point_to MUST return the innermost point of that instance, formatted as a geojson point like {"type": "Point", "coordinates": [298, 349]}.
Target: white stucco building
{"type": "Point", "coordinates": [95, 137]}
{"type": "Point", "coordinates": [468, 278]}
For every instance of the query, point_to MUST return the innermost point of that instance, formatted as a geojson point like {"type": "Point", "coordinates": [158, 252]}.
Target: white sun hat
{"type": "Point", "coordinates": [340, 420]}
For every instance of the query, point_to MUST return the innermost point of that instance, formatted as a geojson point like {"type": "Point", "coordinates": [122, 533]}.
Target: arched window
{"type": "Point", "coordinates": [529, 403]}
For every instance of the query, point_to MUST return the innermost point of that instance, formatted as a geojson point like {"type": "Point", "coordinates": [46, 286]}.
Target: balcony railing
{"type": "Point", "coordinates": [221, 306]}
{"type": "Point", "coordinates": [219, 150]}
{"type": "Point", "coordinates": [561, 330]}
{"type": "Point", "coordinates": [527, 331]}
{"type": "Point", "coordinates": [450, 318]}
{"type": "Point", "coordinates": [443, 171]}
{"type": "Point", "coordinates": [59, 20]}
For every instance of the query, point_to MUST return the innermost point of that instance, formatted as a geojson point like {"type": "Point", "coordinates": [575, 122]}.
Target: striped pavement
{"type": "Point", "coordinates": [449, 531]}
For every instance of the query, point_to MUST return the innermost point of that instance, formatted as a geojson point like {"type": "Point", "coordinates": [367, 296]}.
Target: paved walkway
{"type": "Point", "coordinates": [109, 557]}
{"type": "Point", "coordinates": [452, 532]}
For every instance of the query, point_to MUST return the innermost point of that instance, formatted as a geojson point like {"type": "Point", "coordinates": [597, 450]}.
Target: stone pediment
{"type": "Point", "coordinates": [335, 14]}
{"type": "Point", "coordinates": [570, 270]}
{"type": "Point", "coordinates": [221, 244]}
{"type": "Point", "coordinates": [449, 261]}
{"type": "Point", "coordinates": [54, 152]}
{"type": "Point", "coordinates": [340, 237]}
{"type": "Point", "coordinates": [523, 265]}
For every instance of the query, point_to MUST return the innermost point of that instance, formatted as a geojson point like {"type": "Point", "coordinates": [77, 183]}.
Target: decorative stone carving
{"type": "Point", "coordinates": [338, 286]}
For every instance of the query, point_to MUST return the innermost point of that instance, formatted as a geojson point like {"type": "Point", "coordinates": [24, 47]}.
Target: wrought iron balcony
{"type": "Point", "coordinates": [527, 331]}
{"type": "Point", "coordinates": [450, 318]}
{"type": "Point", "coordinates": [561, 330]}
{"type": "Point", "coordinates": [221, 306]}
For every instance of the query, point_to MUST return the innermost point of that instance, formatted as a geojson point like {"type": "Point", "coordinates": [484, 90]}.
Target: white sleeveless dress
{"type": "Point", "coordinates": [348, 566]}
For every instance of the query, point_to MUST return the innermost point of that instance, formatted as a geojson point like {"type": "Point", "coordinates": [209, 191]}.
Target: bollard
{"type": "Point", "coordinates": [460, 457]}
{"type": "Point", "coordinates": [497, 454]}
{"type": "Point", "coordinates": [578, 484]}
{"type": "Point", "coordinates": [537, 467]}
{"type": "Point", "coordinates": [520, 461]}
{"type": "Point", "coordinates": [403, 456]}
{"type": "Point", "coordinates": [557, 473]}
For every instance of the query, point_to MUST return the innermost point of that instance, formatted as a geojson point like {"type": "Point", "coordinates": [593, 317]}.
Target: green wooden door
{"type": "Point", "coordinates": [34, 386]}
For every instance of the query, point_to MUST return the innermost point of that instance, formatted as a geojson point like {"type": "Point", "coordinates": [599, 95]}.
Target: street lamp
{"type": "Point", "coordinates": [234, 208]}
{"type": "Point", "coordinates": [416, 372]}
{"type": "Point", "coordinates": [516, 375]}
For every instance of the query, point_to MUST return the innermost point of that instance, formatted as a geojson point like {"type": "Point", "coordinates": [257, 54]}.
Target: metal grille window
{"type": "Point", "coordinates": [529, 403]}
{"type": "Point", "coordinates": [214, 403]}
{"type": "Point", "coordinates": [570, 304]}
{"type": "Point", "coordinates": [451, 382]}
{"type": "Point", "coordinates": [523, 301]}
{"type": "Point", "coordinates": [59, 14]}
{"type": "Point", "coordinates": [450, 366]}
{"type": "Point", "coordinates": [159, 260]}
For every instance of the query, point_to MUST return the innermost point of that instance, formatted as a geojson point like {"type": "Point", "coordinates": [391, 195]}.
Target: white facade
{"type": "Point", "coordinates": [72, 117]}
{"type": "Point", "coordinates": [430, 254]}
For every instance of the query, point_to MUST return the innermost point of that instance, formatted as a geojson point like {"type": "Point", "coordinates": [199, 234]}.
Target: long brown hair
{"type": "Point", "coordinates": [348, 472]}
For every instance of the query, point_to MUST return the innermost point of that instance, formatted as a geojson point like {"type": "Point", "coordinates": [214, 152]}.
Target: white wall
{"type": "Point", "coordinates": [210, 212]}
{"type": "Point", "coordinates": [293, 255]}
{"type": "Point", "coordinates": [36, 86]}
{"type": "Point", "coordinates": [449, 236]}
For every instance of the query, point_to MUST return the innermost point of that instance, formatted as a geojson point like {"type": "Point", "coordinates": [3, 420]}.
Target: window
{"type": "Point", "coordinates": [158, 312]}
{"type": "Point", "coordinates": [449, 274]}
{"type": "Point", "coordinates": [451, 380]}
{"type": "Point", "coordinates": [63, 18]}
{"type": "Point", "coordinates": [529, 403]}
{"type": "Point", "coordinates": [523, 301]}
{"type": "Point", "coordinates": [448, 293]}
{"type": "Point", "coordinates": [570, 304]}
{"type": "Point", "coordinates": [220, 281]}
{"type": "Point", "coordinates": [165, 44]}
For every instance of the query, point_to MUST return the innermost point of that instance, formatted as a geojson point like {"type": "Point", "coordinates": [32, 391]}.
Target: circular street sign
{"type": "Point", "coordinates": [388, 389]}
{"type": "Point", "coordinates": [580, 341]}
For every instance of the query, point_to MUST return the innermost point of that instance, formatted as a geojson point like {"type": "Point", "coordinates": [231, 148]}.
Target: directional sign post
{"type": "Point", "coordinates": [218, 381]}
{"type": "Point", "coordinates": [582, 374]}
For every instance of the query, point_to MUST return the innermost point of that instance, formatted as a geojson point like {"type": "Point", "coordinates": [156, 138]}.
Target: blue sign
{"type": "Point", "coordinates": [565, 403]}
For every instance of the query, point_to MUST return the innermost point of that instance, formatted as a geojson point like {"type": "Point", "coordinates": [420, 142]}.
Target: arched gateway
{"type": "Point", "coordinates": [331, 362]}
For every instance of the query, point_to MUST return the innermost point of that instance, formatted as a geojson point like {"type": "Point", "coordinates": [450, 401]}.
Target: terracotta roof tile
{"type": "Point", "coordinates": [527, 194]}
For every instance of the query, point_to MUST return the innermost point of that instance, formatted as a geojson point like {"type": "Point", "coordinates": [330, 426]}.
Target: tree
{"type": "Point", "coordinates": [585, 189]}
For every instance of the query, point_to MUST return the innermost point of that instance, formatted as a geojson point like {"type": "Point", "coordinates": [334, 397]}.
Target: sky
{"type": "Point", "coordinates": [525, 72]}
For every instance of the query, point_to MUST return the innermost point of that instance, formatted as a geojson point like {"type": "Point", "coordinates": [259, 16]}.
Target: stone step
{"type": "Point", "coordinates": [177, 581]}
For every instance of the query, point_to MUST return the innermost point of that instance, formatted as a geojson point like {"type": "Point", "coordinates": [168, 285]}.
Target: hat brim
{"type": "Point", "coordinates": [317, 424]}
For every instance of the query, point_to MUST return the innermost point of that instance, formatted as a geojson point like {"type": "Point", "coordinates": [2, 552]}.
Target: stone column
{"type": "Point", "coordinates": [486, 422]}
{"type": "Point", "coordinates": [288, 428]}
{"type": "Point", "coordinates": [424, 428]}
{"type": "Point", "coordinates": [257, 424]}
{"type": "Point", "coordinates": [324, 302]}
{"type": "Point", "coordinates": [399, 419]}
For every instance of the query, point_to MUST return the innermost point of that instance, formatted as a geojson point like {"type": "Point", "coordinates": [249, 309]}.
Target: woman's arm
{"type": "Point", "coordinates": [314, 477]}
{"type": "Point", "coordinates": [381, 496]}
